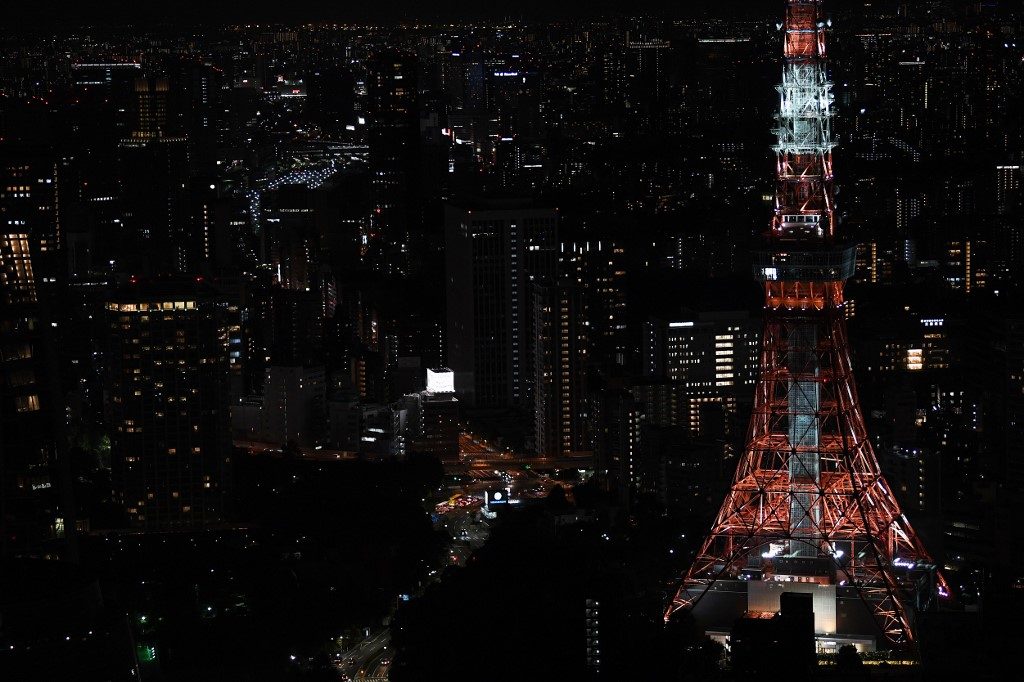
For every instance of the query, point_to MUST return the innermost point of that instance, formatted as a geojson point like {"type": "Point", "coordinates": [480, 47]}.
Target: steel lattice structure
{"type": "Point", "coordinates": [808, 483]}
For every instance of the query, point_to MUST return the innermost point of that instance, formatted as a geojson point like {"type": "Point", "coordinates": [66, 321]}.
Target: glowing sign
{"type": "Point", "coordinates": [441, 380]}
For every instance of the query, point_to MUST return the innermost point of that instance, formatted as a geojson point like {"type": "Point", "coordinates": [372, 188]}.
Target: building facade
{"type": "Point", "coordinates": [167, 398]}
{"type": "Point", "coordinates": [492, 254]}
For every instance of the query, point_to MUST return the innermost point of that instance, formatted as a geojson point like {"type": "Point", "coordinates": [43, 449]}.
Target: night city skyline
{"type": "Point", "coordinates": [572, 341]}
{"type": "Point", "coordinates": [118, 14]}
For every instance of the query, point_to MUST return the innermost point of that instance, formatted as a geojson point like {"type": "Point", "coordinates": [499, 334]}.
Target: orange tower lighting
{"type": "Point", "coordinates": [808, 503]}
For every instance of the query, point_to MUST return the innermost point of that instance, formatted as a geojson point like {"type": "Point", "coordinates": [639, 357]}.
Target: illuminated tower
{"type": "Point", "coordinates": [808, 509]}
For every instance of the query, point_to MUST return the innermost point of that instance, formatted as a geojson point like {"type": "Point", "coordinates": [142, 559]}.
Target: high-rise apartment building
{"type": "Point", "coordinates": [559, 364]}
{"type": "Point", "coordinates": [167, 393]}
{"type": "Point", "coordinates": [560, 422]}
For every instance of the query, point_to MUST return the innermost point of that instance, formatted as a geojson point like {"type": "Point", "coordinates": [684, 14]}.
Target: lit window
{"type": "Point", "coordinates": [27, 403]}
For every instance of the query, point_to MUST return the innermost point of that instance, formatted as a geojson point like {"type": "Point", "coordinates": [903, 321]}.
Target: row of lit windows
{"type": "Point", "coordinates": [143, 307]}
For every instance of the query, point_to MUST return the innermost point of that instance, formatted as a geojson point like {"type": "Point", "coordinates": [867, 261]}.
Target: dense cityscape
{"type": "Point", "coordinates": [425, 347]}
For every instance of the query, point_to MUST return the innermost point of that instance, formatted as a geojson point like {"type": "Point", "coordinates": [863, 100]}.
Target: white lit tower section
{"type": "Point", "coordinates": [804, 206]}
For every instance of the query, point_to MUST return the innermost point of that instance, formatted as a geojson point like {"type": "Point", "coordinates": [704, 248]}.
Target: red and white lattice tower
{"type": "Point", "coordinates": [808, 496]}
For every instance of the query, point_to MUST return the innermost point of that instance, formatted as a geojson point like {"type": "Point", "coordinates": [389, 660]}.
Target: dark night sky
{"type": "Point", "coordinates": [40, 16]}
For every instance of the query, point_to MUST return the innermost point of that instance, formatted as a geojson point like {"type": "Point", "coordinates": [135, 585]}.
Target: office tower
{"type": "Point", "coordinates": [809, 510]}
{"type": "Point", "coordinates": [560, 424]}
{"type": "Point", "coordinates": [294, 405]}
{"type": "Point", "coordinates": [287, 404]}
{"type": "Point", "coordinates": [613, 78]}
{"type": "Point", "coordinates": [30, 202]}
{"type": "Point", "coordinates": [964, 263]}
{"type": "Point", "coordinates": [1008, 188]}
{"type": "Point", "coordinates": [646, 66]}
{"type": "Point", "coordinates": [1008, 226]}
{"type": "Point", "coordinates": [34, 512]}
{"type": "Point", "coordinates": [150, 120]}
{"type": "Point", "coordinates": [208, 235]}
{"type": "Point", "coordinates": [297, 321]}
{"type": "Point", "coordinates": [714, 359]}
{"type": "Point", "coordinates": [908, 205]}
{"type": "Point", "coordinates": [393, 134]}
{"type": "Point", "coordinates": [107, 75]}
{"type": "Point", "coordinates": [153, 169]}
{"type": "Point", "coordinates": [493, 252]}
{"type": "Point", "coordinates": [720, 81]}
{"type": "Point", "coordinates": [167, 390]}
{"type": "Point", "coordinates": [201, 109]}
{"type": "Point", "coordinates": [617, 436]}
{"type": "Point", "coordinates": [915, 474]}
{"type": "Point", "coordinates": [894, 340]}
{"type": "Point", "coordinates": [408, 375]}
{"type": "Point", "coordinates": [598, 267]}
{"type": "Point", "coordinates": [995, 363]}
{"type": "Point", "coordinates": [330, 97]}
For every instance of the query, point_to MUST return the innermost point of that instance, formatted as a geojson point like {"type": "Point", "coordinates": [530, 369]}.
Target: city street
{"type": "Point", "coordinates": [364, 660]}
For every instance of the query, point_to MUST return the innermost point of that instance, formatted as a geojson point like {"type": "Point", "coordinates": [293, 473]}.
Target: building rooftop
{"type": "Point", "coordinates": [163, 288]}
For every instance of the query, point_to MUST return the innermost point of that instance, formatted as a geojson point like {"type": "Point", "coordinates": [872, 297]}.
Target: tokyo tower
{"type": "Point", "coordinates": [808, 509]}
